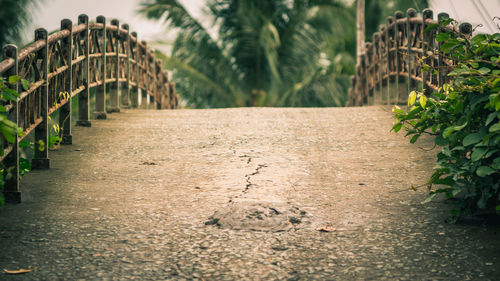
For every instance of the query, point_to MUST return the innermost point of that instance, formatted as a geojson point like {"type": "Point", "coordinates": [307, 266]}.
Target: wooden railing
{"type": "Point", "coordinates": [69, 63]}
{"type": "Point", "coordinates": [392, 64]}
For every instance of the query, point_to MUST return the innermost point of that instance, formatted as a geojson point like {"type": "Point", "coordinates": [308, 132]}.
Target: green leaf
{"type": "Point", "coordinates": [430, 27]}
{"type": "Point", "coordinates": [495, 128]}
{"type": "Point", "coordinates": [8, 133]}
{"type": "Point", "coordinates": [484, 70]}
{"type": "Point", "coordinates": [26, 84]}
{"type": "Point", "coordinates": [13, 79]}
{"type": "Point", "coordinates": [414, 138]}
{"type": "Point", "coordinates": [448, 131]}
{"type": "Point", "coordinates": [442, 37]}
{"type": "Point", "coordinates": [423, 101]}
{"type": "Point", "coordinates": [498, 208]}
{"type": "Point", "coordinates": [496, 164]}
{"type": "Point", "coordinates": [473, 138]}
{"type": "Point", "coordinates": [439, 140]}
{"type": "Point", "coordinates": [478, 152]}
{"type": "Point", "coordinates": [484, 171]}
{"type": "Point", "coordinates": [397, 127]}
{"type": "Point", "coordinates": [412, 98]}
{"type": "Point", "coordinates": [490, 118]}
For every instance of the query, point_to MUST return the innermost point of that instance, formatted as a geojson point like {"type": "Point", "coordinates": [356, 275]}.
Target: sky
{"type": "Point", "coordinates": [50, 13]}
{"type": "Point", "coordinates": [473, 11]}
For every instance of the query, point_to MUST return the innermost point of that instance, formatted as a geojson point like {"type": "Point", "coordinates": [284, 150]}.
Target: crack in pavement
{"type": "Point", "coordinates": [248, 178]}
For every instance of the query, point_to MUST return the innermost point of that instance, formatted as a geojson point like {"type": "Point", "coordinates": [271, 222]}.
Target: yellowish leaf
{"type": "Point", "coordinates": [19, 271]}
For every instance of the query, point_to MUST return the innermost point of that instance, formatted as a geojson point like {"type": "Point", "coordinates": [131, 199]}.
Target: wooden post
{"type": "Point", "coordinates": [390, 60]}
{"type": "Point", "coordinates": [41, 159]}
{"type": "Point", "coordinates": [135, 89]}
{"type": "Point", "coordinates": [65, 111]}
{"type": "Point", "coordinates": [125, 92]}
{"type": "Point", "coordinates": [366, 89]}
{"type": "Point", "coordinates": [378, 75]}
{"type": "Point", "coordinates": [100, 96]}
{"type": "Point", "coordinates": [410, 13]}
{"type": "Point", "coordinates": [360, 29]}
{"type": "Point", "coordinates": [427, 44]}
{"type": "Point", "coordinates": [152, 94]}
{"type": "Point", "coordinates": [144, 93]}
{"type": "Point", "coordinates": [83, 97]}
{"type": "Point", "coordinates": [370, 72]}
{"type": "Point", "coordinates": [114, 91]}
{"type": "Point", "coordinates": [397, 15]}
{"type": "Point", "coordinates": [11, 191]}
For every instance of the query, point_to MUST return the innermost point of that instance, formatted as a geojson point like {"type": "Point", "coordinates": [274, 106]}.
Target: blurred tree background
{"type": "Point", "coordinates": [14, 16]}
{"type": "Point", "coordinates": [267, 53]}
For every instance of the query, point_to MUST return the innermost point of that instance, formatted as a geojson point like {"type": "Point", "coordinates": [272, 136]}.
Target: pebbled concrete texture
{"type": "Point", "coordinates": [238, 194]}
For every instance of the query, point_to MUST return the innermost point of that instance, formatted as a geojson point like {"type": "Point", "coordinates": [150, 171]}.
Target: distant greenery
{"type": "Point", "coordinates": [267, 53]}
{"type": "Point", "coordinates": [14, 16]}
{"type": "Point", "coordinates": [465, 118]}
{"type": "Point", "coordinates": [263, 53]}
{"type": "Point", "coordinates": [376, 12]}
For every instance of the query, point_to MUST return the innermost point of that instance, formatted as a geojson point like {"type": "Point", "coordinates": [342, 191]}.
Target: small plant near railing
{"type": "Point", "coordinates": [464, 117]}
{"type": "Point", "coordinates": [8, 129]}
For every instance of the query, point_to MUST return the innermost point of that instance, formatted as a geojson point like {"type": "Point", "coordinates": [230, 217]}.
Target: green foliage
{"type": "Point", "coordinates": [8, 129]}
{"type": "Point", "coordinates": [464, 117]}
{"type": "Point", "coordinates": [14, 16]}
{"type": "Point", "coordinates": [265, 53]}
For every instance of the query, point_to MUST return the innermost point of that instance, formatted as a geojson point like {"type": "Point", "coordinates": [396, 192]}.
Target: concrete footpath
{"type": "Point", "coordinates": [241, 194]}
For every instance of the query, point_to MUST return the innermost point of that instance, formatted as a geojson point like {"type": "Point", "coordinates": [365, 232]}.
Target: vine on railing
{"type": "Point", "coordinates": [395, 62]}
{"type": "Point", "coordinates": [74, 60]}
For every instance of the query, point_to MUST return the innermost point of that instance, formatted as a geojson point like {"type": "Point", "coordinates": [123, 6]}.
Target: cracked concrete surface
{"type": "Point", "coordinates": [237, 194]}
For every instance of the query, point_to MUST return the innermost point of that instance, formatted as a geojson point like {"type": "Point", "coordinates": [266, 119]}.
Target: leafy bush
{"type": "Point", "coordinates": [464, 117]}
{"type": "Point", "coordinates": [8, 129]}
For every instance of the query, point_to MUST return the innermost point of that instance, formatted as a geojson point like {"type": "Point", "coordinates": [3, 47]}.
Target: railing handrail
{"type": "Point", "coordinates": [75, 59]}
{"type": "Point", "coordinates": [392, 56]}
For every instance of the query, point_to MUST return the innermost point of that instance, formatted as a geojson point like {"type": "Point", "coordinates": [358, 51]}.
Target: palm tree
{"type": "Point", "coordinates": [14, 15]}
{"type": "Point", "coordinates": [264, 53]}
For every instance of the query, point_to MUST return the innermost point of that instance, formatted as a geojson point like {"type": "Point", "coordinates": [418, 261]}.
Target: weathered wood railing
{"type": "Point", "coordinates": [395, 57]}
{"type": "Point", "coordinates": [74, 60]}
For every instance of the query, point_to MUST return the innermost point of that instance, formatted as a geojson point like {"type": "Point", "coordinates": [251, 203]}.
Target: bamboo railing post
{"type": "Point", "coordinates": [465, 28]}
{"type": "Point", "coordinates": [114, 91]}
{"type": "Point", "coordinates": [370, 73]}
{"type": "Point", "coordinates": [66, 109]}
{"type": "Point", "coordinates": [84, 96]}
{"type": "Point", "coordinates": [144, 92]}
{"type": "Point", "coordinates": [126, 92]}
{"type": "Point", "coordinates": [159, 82]}
{"type": "Point", "coordinates": [135, 89]}
{"type": "Point", "coordinates": [389, 21]}
{"type": "Point", "coordinates": [382, 61]}
{"type": "Point", "coordinates": [366, 89]}
{"type": "Point", "coordinates": [427, 44]}
{"type": "Point", "coordinates": [398, 15]}
{"type": "Point", "coordinates": [41, 159]}
{"type": "Point", "coordinates": [378, 74]}
{"type": "Point", "coordinates": [441, 64]}
{"type": "Point", "coordinates": [152, 94]}
{"type": "Point", "coordinates": [410, 13]}
{"type": "Point", "coordinates": [11, 192]}
{"type": "Point", "coordinates": [100, 95]}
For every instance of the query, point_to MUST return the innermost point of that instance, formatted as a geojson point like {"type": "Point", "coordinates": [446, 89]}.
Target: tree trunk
{"type": "Point", "coordinates": [360, 29]}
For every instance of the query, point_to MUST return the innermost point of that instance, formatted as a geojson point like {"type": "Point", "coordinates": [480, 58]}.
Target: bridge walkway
{"type": "Point", "coordinates": [240, 194]}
